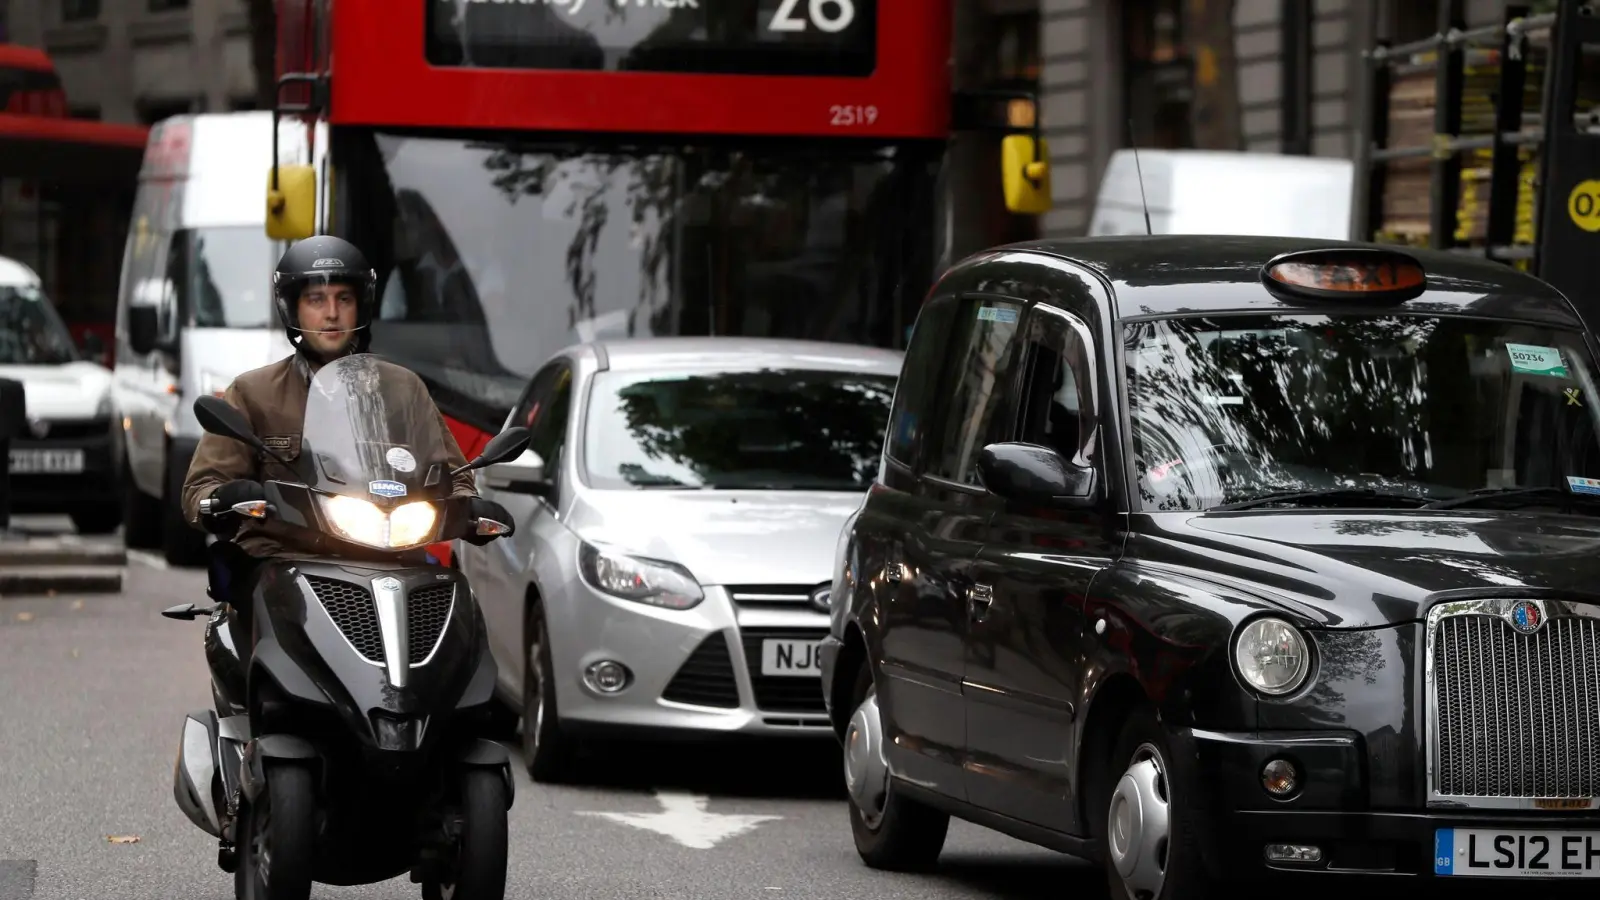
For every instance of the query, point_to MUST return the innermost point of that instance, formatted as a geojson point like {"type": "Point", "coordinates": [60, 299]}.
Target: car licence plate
{"type": "Point", "coordinates": [791, 658]}
{"type": "Point", "coordinates": [30, 462]}
{"type": "Point", "coordinates": [1516, 853]}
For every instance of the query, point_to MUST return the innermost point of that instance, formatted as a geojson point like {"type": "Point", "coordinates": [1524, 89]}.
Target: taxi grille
{"type": "Point", "coordinates": [1514, 715]}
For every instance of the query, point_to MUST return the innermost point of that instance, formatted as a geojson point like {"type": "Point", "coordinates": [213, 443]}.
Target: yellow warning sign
{"type": "Point", "coordinates": [1583, 205]}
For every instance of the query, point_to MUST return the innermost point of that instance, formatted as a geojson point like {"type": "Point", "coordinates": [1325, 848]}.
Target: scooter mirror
{"type": "Point", "coordinates": [185, 611]}
{"type": "Point", "coordinates": [217, 416]}
{"type": "Point", "coordinates": [506, 445]}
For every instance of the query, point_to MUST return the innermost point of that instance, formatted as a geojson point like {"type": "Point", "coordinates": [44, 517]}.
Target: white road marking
{"type": "Point", "coordinates": [684, 818]}
{"type": "Point", "coordinates": [147, 559]}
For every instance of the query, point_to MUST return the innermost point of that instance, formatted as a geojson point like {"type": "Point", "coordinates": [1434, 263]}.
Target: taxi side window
{"type": "Point", "coordinates": [1057, 406]}
{"type": "Point", "coordinates": [982, 357]}
{"type": "Point", "coordinates": [918, 391]}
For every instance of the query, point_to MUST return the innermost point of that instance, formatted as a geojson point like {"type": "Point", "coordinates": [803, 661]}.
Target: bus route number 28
{"type": "Point", "coordinates": [832, 16]}
{"type": "Point", "coordinates": [847, 115]}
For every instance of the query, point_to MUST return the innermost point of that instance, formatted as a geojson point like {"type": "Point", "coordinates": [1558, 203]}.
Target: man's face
{"type": "Point", "coordinates": [331, 310]}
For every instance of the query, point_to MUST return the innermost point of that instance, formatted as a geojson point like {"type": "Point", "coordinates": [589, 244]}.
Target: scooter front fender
{"type": "Point", "coordinates": [195, 784]}
{"type": "Point", "coordinates": [253, 769]}
{"type": "Point", "coordinates": [486, 754]}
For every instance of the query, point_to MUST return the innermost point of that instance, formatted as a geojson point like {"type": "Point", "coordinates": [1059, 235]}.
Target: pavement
{"type": "Point", "coordinates": [97, 684]}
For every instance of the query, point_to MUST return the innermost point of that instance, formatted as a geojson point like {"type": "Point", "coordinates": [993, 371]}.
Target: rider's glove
{"type": "Point", "coordinates": [241, 490]}
{"type": "Point", "coordinates": [479, 508]}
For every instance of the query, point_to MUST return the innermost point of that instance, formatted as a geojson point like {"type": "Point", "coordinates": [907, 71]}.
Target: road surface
{"type": "Point", "coordinates": [96, 686]}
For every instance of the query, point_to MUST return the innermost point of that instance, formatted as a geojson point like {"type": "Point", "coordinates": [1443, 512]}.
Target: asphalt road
{"type": "Point", "coordinates": [95, 688]}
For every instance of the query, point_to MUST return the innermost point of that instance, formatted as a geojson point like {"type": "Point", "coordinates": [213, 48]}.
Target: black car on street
{"type": "Point", "coordinates": [1233, 559]}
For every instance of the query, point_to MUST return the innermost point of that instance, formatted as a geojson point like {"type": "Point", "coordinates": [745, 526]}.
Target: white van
{"type": "Point", "coordinates": [1225, 192]}
{"type": "Point", "coordinates": [61, 462]}
{"type": "Point", "coordinates": [195, 306]}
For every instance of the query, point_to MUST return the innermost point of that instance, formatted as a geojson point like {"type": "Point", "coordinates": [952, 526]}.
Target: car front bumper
{"type": "Point", "coordinates": [1245, 824]}
{"type": "Point", "coordinates": [67, 469]}
{"type": "Point", "coordinates": [698, 671]}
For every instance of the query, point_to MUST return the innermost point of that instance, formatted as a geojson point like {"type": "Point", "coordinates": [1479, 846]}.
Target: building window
{"type": "Point", "coordinates": [1158, 73]}
{"type": "Point", "coordinates": [157, 6]}
{"type": "Point", "coordinates": [80, 10]}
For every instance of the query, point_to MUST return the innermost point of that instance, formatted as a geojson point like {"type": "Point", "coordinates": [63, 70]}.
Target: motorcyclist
{"type": "Point", "coordinates": [325, 294]}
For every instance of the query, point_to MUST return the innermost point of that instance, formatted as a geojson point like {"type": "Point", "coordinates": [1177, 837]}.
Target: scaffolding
{"type": "Point", "coordinates": [1487, 141]}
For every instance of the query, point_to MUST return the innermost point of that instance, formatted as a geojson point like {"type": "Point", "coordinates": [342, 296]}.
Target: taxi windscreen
{"type": "Point", "coordinates": [1228, 408]}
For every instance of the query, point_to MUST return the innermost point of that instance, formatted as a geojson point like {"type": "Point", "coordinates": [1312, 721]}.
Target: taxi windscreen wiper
{"type": "Point", "coordinates": [1337, 496]}
{"type": "Point", "coordinates": [1544, 494]}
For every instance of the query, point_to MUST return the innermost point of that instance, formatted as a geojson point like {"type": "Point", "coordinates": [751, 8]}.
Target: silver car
{"type": "Point", "coordinates": [677, 514]}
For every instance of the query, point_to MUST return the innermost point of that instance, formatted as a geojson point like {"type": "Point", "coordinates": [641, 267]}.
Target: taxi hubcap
{"type": "Point", "coordinates": [866, 771]}
{"type": "Point", "coordinates": [1140, 825]}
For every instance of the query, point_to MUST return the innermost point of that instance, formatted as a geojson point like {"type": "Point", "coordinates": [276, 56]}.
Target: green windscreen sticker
{"type": "Point", "coordinates": [1535, 360]}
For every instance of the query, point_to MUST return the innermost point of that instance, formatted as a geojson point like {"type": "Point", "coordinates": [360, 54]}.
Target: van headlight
{"type": "Point", "coordinates": [652, 581]}
{"type": "Point", "coordinates": [1272, 656]}
{"type": "Point", "coordinates": [411, 525]}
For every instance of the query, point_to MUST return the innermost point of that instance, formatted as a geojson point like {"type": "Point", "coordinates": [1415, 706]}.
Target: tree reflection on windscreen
{"type": "Point", "coordinates": [767, 429]}
{"type": "Point", "coordinates": [1228, 408]}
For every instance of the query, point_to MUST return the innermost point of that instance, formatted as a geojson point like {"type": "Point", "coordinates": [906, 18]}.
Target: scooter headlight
{"type": "Point", "coordinates": [408, 526]}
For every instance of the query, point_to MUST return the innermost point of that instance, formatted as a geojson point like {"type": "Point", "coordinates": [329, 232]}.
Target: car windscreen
{"type": "Point", "coordinates": [766, 429]}
{"type": "Point", "coordinates": [31, 332]}
{"type": "Point", "coordinates": [1223, 409]}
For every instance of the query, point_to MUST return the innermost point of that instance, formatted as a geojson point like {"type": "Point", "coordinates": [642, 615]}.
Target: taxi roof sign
{"type": "Point", "coordinates": [1346, 273]}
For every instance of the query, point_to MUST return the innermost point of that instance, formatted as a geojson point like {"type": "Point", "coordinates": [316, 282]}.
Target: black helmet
{"type": "Point", "coordinates": [324, 259]}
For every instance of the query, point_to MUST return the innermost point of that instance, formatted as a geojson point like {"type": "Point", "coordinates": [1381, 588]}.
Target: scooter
{"type": "Point", "coordinates": [348, 741]}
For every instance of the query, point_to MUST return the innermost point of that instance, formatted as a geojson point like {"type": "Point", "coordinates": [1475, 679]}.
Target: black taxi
{"type": "Point", "coordinates": [1221, 559]}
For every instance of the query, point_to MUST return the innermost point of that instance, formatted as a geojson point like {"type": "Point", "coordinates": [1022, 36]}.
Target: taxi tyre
{"type": "Point", "coordinates": [550, 758]}
{"type": "Point", "coordinates": [909, 836]}
{"type": "Point", "coordinates": [1141, 758]}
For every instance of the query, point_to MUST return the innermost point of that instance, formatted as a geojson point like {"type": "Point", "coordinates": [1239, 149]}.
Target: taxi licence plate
{"type": "Point", "coordinates": [1516, 853]}
{"type": "Point", "coordinates": [54, 462]}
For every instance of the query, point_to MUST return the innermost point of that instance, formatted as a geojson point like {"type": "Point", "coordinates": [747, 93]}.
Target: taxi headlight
{"type": "Point", "coordinates": [411, 525]}
{"type": "Point", "coordinates": [1272, 656]}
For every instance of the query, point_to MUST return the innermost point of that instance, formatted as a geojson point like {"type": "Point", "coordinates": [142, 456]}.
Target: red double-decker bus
{"type": "Point", "coordinates": [528, 173]}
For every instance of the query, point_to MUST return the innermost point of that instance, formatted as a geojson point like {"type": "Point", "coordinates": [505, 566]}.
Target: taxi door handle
{"type": "Point", "coordinates": [980, 597]}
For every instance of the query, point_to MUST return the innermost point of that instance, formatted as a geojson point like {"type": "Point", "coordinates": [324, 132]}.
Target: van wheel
{"type": "Point", "coordinates": [891, 832]}
{"type": "Point", "coordinates": [97, 520]}
{"type": "Point", "coordinates": [141, 515]}
{"type": "Point", "coordinates": [181, 543]}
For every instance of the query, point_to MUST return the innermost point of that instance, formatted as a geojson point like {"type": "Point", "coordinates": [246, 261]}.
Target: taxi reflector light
{"type": "Point", "coordinates": [1347, 274]}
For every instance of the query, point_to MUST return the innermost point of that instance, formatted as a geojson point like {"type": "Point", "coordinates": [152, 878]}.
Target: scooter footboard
{"type": "Point", "coordinates": [194, 773]}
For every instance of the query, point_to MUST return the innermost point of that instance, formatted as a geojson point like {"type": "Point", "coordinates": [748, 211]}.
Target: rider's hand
{"type": "Point", "coordinates": [480, 508]}
{"type": "Point", "coordinates": [241, 490]}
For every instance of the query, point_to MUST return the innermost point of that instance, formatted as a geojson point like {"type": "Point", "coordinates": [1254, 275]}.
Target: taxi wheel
{"type": "Point", "coordinates": [892, 832]}
{"type": "Point", "coordinates": [1147, 827]}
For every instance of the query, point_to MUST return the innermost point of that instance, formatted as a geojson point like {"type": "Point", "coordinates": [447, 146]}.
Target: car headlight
{"type": "Point", "coordinates": [1272, 656]}
{"type": "Point", "coordinates": [651, 581]}
{"type": "Point", "coordinates": [213, 384]}
{"type": "Point", "coordinates": [411, 525]}
{"type": "Point", "coordinates": [102, 410]}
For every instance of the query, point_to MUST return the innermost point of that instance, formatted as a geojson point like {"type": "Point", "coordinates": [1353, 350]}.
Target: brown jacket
{"type": "Point", "coordinates": [273, 400]}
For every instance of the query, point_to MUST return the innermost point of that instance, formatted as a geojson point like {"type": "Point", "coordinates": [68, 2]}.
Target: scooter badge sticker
{"type": "Point", "coordinates": [386, 488]}
{"type": "Point", "coordinates": [401, 459]}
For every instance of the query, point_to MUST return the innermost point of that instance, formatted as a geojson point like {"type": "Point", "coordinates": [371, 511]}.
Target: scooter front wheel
{"type": "Point", "coordinates": [480, 869]}
{"type": "Point", "coordinates": [277, 837]}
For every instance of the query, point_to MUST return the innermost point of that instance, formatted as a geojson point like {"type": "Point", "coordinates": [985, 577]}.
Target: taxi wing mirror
{"type": "Point", "coordinates": [1031, 473]}
{"type": "Point", "coordinates": [291, 202]}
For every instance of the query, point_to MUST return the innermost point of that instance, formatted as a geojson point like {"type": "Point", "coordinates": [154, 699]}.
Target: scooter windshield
{"type": "Point", "coordinates": [372, 432]}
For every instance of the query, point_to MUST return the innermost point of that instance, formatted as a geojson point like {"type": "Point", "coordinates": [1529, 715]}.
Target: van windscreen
{"type": "Point", "coordinates": [223, 275]}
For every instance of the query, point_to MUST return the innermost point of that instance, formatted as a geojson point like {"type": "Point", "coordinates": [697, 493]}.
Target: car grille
{"type": "Point", "coordinates": [777, 693]}
{"type": "Point", "coordinates": [1513, 715]}
{"type": "Point", "coordinates": [774, 596]}
{"type": "Point", "coordinates": [351, 608]}
{"type": "Point", "coordinates": [706, 677]}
